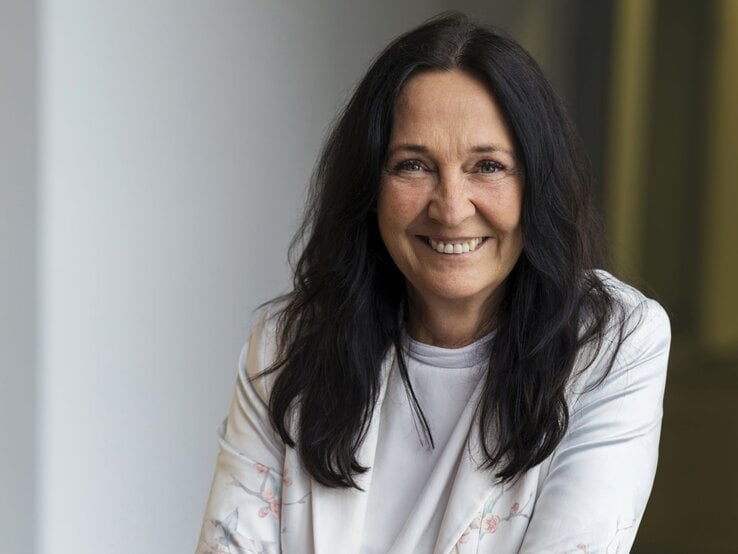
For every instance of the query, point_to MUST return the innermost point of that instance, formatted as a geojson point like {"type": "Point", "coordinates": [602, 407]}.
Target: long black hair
{"type": "Point", "coordinates": [342, 317]}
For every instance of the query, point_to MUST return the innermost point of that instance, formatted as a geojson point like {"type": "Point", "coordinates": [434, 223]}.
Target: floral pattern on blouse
{"type": "Point", "coordinates": [614, 546]}
{"type": "Point", "coordinates": [489, 519]}
{"type": "Point", "coordinates": [227, 539]}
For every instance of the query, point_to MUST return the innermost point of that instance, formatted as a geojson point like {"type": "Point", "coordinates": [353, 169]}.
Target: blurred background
{"type": "Point", "coordinates": [153, 159]}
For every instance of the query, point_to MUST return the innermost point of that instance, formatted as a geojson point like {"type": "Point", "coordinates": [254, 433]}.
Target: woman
{"type": "Point", "coordinates": [449, 373]}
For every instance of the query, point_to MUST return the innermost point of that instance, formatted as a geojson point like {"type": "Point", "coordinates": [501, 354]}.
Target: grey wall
{"type": "Point", "coordinates": [17, 275]}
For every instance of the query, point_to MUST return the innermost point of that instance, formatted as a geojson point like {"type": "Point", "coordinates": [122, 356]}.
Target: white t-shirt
{"type": "Point", "coordinates": [443, 380]}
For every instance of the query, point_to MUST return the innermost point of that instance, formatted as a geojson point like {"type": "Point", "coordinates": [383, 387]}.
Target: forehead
{"type": "Point", "coordinates": [449, 102]}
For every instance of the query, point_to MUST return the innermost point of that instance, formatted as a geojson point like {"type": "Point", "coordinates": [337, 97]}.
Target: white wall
{"type": "Point", "coordinates": [176, 139]}
{"type": "Point", "coordinates": [17, 275]}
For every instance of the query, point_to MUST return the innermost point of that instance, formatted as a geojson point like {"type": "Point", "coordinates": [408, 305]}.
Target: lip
{"type": "Point", "coordinates": [438, 238]}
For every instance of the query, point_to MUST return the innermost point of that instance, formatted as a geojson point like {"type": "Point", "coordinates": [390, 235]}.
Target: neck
{"type": "Point", "coordinates": [448, 324]}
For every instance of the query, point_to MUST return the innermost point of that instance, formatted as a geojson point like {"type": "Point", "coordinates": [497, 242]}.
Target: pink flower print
{"type": "Point", "coordinates": [286, 480]}
{"type": "Point", "coordinates": [476, 522]}
{"type": "Point", "coordinates": [262, 469]}
{"type": "Point", "coordinates": [489, 523]}
{"type": "Point", "coordinates": [464, 537]}
{"type": "Point", "coordinates": [515, 507]}
{"type": "Point", "coordinates": [273, 501]}
{"type": "Point", "coordinates": [263, 512]}
{"type": "Point", "coordinates": [275, 507]}
{"type": "Point", "coordinates": [582, 547]}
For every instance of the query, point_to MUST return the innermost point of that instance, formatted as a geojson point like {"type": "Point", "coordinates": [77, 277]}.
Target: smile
{"type": "Point", "coordinates": [460, 247]}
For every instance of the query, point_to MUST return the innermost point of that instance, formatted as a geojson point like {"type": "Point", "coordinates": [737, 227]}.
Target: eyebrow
{"type": "Point", "coordinates": [478, 149]}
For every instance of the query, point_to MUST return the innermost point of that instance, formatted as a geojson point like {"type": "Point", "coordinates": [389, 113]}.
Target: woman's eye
{"type": "Point", "coordinates": [491, 167]}
{"type": "Point", "coordinates": [409, 165]}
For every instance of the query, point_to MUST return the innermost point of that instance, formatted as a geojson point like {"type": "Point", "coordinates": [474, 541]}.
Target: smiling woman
{"type": "Point", "coordinates": [450, 204]}
{"type": "Point", "coordinates": [451, 372]}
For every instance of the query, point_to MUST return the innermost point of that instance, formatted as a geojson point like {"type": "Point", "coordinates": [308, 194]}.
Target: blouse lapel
{"type": "Point", "coordinates": [338, 514]}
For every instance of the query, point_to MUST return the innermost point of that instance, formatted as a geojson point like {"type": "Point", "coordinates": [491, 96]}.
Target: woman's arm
{"type": "Point", "coordinates": [594, 493]}
{"type": "Point", "coordinates": [243, 510]}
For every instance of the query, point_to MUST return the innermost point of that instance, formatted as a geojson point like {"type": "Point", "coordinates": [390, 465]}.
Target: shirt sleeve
{"type": "Point", "coordinates": [243, 509]}
{"type": "Point", "coordinates": [599, 479]}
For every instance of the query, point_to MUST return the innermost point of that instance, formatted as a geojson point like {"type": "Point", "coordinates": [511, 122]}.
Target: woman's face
{"type": "Point", "coordinates": [451, 193]}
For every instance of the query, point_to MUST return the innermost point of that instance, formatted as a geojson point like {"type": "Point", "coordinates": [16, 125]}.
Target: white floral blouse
{"type": "Point", "coordinates": [587, 496]}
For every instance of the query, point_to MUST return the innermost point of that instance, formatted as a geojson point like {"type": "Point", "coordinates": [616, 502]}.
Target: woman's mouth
{"type": "Point", "coordinates": [455, 246]}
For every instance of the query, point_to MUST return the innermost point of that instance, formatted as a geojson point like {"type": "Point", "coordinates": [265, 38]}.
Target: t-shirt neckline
{"type": "Point", "coordinates": [466, 357]}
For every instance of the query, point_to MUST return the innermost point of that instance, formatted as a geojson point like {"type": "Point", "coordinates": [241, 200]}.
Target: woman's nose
{"type": "Point", "coordinates": [451, 203]}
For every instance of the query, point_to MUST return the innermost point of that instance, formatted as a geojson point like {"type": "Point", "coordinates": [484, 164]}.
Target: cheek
{"type": "Point", "coordinates": [397, 209]}
{"type": "Point", "coordinates": [514, 208]}
{"type": "Point", "coordinates": [515, 221]}
{"type": "Point", "coordinates": [512, 220]}
{"type": "Point", "coordinates": [504, 212]}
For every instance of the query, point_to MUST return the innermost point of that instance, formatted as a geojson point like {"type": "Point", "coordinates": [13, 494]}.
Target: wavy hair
{"type": "Point", "coordinates": [342, 317]}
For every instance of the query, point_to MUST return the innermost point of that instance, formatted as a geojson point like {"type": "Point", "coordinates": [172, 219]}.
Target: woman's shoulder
{"type": "Point", "coordinates": [637, 332]}
{"type": "Point", "coordinates": [632, 311]}
{"type": "Point", "coordinates": [261, 350]}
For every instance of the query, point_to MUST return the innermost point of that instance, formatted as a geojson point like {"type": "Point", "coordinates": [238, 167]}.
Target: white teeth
{"type": "Point", "coordinates": [456, 247]}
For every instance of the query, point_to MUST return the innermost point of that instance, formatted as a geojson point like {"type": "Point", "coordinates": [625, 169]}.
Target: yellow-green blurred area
{"type": "Point", "coordinates": [653, 88]}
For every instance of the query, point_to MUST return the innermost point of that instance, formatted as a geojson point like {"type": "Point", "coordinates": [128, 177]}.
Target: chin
{"type": "Point", "coordinates": [459, 294]}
